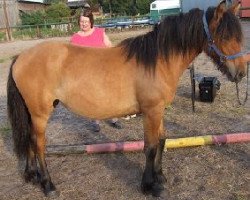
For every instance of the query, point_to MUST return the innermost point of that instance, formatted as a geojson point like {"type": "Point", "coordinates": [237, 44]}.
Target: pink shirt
{"type": "Point", "coordinates": [96, 39]}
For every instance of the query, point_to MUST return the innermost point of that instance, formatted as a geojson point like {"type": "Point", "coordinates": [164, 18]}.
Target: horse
{"type": "Point", "coordinates": [139, 75]}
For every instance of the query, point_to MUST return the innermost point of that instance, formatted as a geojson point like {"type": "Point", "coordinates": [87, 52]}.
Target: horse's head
{"type": "Point", "coordinates": [225, 39]}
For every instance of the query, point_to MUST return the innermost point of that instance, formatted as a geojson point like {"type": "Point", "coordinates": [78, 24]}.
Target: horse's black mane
{"type": "Point", "coordinates": [178, 34]}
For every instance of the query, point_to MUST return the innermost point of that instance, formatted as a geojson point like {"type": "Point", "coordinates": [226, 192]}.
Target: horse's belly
{"type": "Point", "coordinates": [101, 108]}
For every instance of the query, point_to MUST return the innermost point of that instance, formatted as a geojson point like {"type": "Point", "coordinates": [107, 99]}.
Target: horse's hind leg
{"type": "Point", "coordinates": [39, 125]}
{"type": "Point", "coordinates": [31, 171]}
{"type": "Point", "coordinates": [40, 112]}
{"type": "Point", "coordinates": [153, 178]}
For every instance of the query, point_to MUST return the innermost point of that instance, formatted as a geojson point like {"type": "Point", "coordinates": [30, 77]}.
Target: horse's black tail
{"type": "Point", "coordinates": [19, 117]}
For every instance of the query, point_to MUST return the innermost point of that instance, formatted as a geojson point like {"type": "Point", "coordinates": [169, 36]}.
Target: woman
{"type": "Point", "coordinates": [91, 36]}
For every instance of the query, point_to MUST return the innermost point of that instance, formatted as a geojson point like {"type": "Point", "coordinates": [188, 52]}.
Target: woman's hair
{"type": "Point", "coordinates": [87, 13]}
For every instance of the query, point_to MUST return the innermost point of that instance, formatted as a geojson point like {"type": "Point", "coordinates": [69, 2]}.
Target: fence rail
{"type": "Point", "coordinates": [68, 28]}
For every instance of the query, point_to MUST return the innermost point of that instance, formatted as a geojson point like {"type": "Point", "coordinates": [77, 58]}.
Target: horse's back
{"type": "Point", "coordinates": [40, 57]}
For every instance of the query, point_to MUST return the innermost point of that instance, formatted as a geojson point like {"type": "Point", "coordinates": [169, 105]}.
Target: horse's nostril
{"type": "Point", "coordinates": [239, 76]}
{"type": "Point", "coordinates": [242, 74]}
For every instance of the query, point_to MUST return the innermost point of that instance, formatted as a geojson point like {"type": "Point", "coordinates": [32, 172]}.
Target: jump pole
{"type": "Point", "coordinates": [139, 145]}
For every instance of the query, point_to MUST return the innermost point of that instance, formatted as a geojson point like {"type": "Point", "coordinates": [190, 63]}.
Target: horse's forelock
{"type": "Point", "coordinates": [228, 27]}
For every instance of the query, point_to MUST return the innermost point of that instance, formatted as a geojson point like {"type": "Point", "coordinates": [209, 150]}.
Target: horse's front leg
{"type": "Point", "coordinates": [158, 160]}
{"type": "Point", "coordinates": [153, 179]}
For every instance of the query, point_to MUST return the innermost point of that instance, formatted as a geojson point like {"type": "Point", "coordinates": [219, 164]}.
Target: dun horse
{"type": "Point", "coordinates": [140, 75]}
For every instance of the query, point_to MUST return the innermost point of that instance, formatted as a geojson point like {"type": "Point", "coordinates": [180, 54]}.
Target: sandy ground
{"type": "Point", "coordinates": [207, 172]}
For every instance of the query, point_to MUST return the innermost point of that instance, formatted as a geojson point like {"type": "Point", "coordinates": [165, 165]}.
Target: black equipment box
{"type": "Point", "coordinates": [208, 87]}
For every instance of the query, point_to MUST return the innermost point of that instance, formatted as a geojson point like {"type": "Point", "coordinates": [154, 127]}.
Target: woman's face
{"type": "Point", "coordinates": [85, 24]}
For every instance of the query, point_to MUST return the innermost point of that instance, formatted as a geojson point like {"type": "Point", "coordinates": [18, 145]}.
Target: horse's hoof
{"type": "Point", "coordinates": [163, 196]}
{"type": "Point", "coordinates": [49, 189]}
{"type": "Point", "coordinates": [53, 194]}
{"type": "Point", "coordinates": [146, 189]}
{"type": "Point", "coordinates": [158, 190]}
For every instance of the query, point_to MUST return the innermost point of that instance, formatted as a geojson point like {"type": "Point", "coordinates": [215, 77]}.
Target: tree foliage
{"type": "Point", "coordinates": [57, 11]}
{"type": "Point", "coordinates": [121, 7]}
{"type": "Point", "coordinates": [54, 13]}
{"type": "Point", "coordinates": [33, 18]}
{"type": "Point", "coordinates": [143, 6]}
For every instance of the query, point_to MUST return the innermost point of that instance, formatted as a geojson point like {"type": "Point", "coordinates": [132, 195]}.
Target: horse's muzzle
{"type": "Point", "coordinates": [238, 77]}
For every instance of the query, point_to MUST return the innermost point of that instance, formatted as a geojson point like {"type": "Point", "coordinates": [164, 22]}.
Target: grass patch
{"type": "Point", "coordinates": [2, 60]}
{"type": "Point", "coordinates": [5, 130]}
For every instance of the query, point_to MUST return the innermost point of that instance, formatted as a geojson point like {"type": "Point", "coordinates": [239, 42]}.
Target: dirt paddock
{"type": "Point", "coordinates": [198, 173]}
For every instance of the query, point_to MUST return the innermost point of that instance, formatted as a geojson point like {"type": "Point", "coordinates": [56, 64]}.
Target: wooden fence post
{"type": "Point", "coordinates": [7, 25]}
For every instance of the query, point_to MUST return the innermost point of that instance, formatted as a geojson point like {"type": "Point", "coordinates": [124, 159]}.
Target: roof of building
{"type": "Point", "coordinates": [32, 1]}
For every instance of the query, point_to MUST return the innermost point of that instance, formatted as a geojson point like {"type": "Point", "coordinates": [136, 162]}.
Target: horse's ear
{"type": "Point", "coordinates": [220, 10]}
{"type": "Point", "coordinates": [235, 8]}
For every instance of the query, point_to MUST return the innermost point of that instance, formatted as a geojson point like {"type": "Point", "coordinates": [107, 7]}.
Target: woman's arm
{"type": "Point", "coordinates": [107, 41]}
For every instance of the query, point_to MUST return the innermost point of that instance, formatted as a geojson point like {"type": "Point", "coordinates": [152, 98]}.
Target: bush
{"type": "Point", "coordinates": [56, 13]}
{"type": "Point", "coordinates": [33, 18]}
{"type": "Point", "coordinates": [2, 36]}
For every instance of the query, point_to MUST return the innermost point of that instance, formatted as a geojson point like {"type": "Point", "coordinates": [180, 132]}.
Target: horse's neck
{"type": "Point", "coordinates": [183, 62]}
{"type": "Point", "coordinates": [175, 66]}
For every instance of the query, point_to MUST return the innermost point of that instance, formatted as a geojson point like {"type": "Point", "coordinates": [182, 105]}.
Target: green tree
{"type": "Point", "coordinates": [33, 18]}
{"type": "Point", "coordinates": [57, 11]}
{"type": "Point", "coordinates": [143, 6]}
{"type": "Point", "coordinates": [130, 7]}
